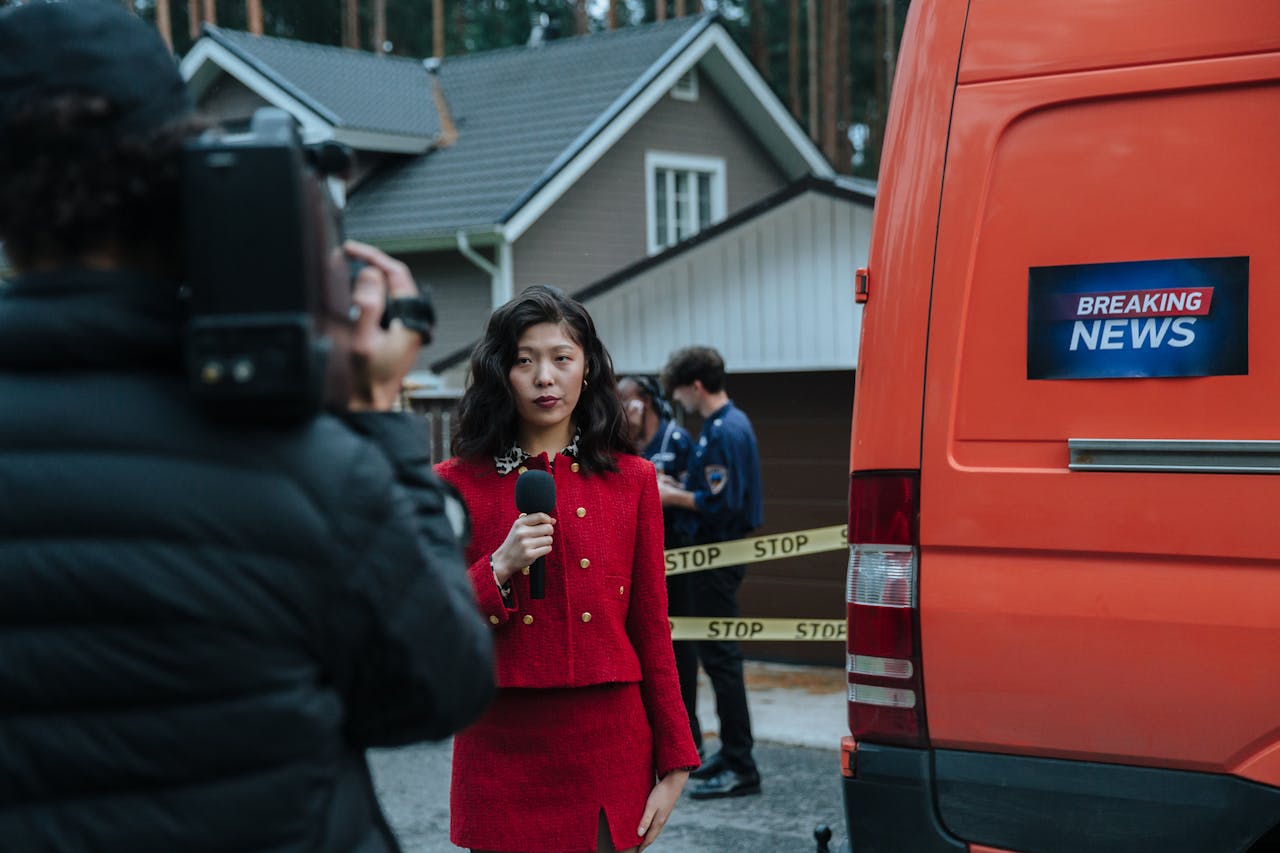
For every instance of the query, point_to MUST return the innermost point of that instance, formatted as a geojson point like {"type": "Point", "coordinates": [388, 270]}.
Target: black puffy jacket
{"type": "Point", "coordinates": [202, 628]}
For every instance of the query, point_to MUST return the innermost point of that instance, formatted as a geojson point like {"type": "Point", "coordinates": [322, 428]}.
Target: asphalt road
{"type": "Point", "coordinates": [801, 790]}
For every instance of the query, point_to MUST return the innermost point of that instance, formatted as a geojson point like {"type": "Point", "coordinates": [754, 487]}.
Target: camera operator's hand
{"type": "Point", "coordinates": [381, 358]}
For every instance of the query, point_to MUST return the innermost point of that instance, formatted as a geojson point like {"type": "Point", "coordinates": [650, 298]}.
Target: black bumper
{"type": "Point", "coordinates": [942, 800]}
{"type": "Point", "coordinates": [888, 806]}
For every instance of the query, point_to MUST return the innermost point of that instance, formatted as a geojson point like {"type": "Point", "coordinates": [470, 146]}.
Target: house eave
{"type": "Point", "coordinates": [434, 241]}
{"type": "Point", "coordinates": [211, 57]}
{"type": "Point", "coordinates": [386, 143]}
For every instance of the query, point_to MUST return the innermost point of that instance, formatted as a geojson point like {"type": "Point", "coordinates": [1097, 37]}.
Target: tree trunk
{"type": "Point", "coordinates": [253, 12]}
{"type": "Point", "coordinates": [437, 28]}
{"type": "Point", "coordinates": [351, 24]}
{"type": "Point", "coordinates": [660, 10]}
{"type": "Point", "coordinates": [759, 39]}
{"type": "Point", "coordinates": [129, 5]}
{"type": "Point", "coordinates": [844, 116]}
{"type": "Point", "coordinates": [613, 14]}
{"type": "Point", "coordinates": [460, 25]}
{"type": "Point", "coordinates": [379, 26]}
{"type": "Point", "coordinates": [193, 19]}
{"type": "Point", "coordinates": [815, 111]}
{"type": "Point", "coordinates": [793, 59]}
{"type": "Point", "coordinates": [211, 12]}
{"type": "Point", "coordinates": [890, 48]}
{"type": "Point", "coordinates": [880, 101]}
{"type": "Point", "coordinates": [679, 8]}
{"type": "Point", "coordinates": [164, 23]}
{"type": "Point", "coordinates": [830, 78]}
{"type": "Point", "coordinates": [581, 21]}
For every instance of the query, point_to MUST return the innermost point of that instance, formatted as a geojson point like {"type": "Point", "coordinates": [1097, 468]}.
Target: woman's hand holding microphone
{"type": "Point", "coordinates": [530, 537]}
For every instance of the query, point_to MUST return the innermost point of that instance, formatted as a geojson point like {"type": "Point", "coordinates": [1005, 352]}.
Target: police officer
{"type": "Point", "coordinates": [658, 438]}
{"type": "Point", "coordinates": [722, 493]}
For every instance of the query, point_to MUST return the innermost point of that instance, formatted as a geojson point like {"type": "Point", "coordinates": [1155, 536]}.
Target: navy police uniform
{"type": "Point", "coordinates": [724, 476]}
{"type": "Point", "coordinates": [669, 450]}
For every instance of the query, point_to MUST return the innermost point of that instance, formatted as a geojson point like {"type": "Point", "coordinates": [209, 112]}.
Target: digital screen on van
{"type": "Point", "coordinates": [1187, 317]}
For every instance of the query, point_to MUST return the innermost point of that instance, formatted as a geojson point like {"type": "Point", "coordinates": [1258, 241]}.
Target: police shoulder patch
{"type": "Point", "coordinates": [717, 478]}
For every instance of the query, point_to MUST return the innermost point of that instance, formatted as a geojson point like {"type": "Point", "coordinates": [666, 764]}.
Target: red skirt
{"type": "Point", "coordinates": [534, 773]}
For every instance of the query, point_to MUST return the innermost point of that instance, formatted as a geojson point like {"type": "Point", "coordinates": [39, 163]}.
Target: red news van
{"type": "Point", "coordinates": [1064, 583]}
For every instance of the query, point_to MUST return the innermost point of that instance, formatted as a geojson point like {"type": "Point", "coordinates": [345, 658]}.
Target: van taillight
{"type": "Point", "coordinates": [886, 696]}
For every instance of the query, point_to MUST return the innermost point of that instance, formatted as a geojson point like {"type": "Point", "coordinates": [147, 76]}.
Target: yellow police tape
{"type": "Point", "coordinates": [757, 549]}
{"type": "Point", "coordinates": [705, 628]}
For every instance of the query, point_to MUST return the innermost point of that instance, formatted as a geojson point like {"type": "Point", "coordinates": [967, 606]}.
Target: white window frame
{"type": "Point", "coordinates": [686, 86]}
{"type": "Point", "coordinates": [674, 162]}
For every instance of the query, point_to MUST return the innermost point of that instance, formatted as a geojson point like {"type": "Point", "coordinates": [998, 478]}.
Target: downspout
{"type": "Point", "coordinates": [500, 285]}
{"type": "Point", "coordinates": [500, 281]}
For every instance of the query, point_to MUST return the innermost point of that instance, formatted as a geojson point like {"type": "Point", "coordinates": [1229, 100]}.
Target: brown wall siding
{"type": "Point", "coordinates": [460, 292]}
{"type": "Point", "coordinates": [231, 101]}
{"type": "Point", "coordinates": [802, 424]}
{"type": "Point", "coordinates": [598, 226]}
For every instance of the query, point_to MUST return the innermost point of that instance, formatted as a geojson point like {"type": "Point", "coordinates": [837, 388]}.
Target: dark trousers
{"type": "Point", "coordinates": [680, 603]}
{"type": "Point", "coordinates": [715, 594]}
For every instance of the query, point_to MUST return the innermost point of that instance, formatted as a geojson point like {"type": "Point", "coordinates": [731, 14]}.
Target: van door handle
{"type": "Point", "coordinates": [1174, 455]}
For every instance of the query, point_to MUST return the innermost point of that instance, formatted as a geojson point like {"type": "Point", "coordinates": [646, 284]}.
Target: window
{"type": "Point", "coordinates": [684, 193]}
{"type": "Point", "coordinates": [686, 88]}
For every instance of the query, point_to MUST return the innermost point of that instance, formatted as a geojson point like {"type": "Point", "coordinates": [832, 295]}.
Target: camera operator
{"type": "Point", "coordinates": [202, 626]}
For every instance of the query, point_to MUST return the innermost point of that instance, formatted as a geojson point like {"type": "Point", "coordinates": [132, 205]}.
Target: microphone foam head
{"type": "Point", "coordinates": [536, 492]}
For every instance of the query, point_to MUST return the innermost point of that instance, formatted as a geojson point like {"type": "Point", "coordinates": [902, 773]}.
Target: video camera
{"type": "Point", "coordinates": [271, 314]}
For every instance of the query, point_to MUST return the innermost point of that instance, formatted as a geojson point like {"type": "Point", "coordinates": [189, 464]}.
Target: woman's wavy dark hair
{"type": "Point", "coordinates": [70, 185]}
{"type": "Point", "coordinates": [487, 416]}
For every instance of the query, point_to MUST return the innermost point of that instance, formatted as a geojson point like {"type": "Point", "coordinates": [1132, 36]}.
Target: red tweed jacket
{"type": "Point", "coordinates": [604, 617]}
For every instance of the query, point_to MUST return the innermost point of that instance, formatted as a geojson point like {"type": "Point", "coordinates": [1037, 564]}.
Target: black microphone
{"type": "Point", "coordinates": [536, 492]}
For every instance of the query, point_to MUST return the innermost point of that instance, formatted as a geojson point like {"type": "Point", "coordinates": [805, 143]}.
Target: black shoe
{"type": "Point", "coordinates": [726, 783]}
{"type": "Point", "coordinates": [710, 767]}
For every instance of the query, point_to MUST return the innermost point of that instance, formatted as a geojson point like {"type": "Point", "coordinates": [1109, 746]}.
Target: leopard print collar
{"type": "Point", "coordinates": [515, 456]}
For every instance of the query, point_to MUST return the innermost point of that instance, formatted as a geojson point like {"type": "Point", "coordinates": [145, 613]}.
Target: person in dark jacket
{"type": "Point", "coordinates": [202, 626]}
{"type": "Point", "coordinates": [724, 500]}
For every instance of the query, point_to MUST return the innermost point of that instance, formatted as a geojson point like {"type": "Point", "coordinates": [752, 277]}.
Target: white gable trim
{"type": "Point", "coordinates": [714, 38]}
{"type": "Point", "coordinates": [200, 68]}
{"type": "Point", "coordinates": [782, 119]}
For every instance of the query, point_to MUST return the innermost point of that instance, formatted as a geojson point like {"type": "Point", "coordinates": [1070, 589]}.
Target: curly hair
{"type": "Point", "coordinates": [70, 186]}
{"type": "Point", "coordinates": [487, 419]}
{"type": "Point", "coordinates": [690, 363]}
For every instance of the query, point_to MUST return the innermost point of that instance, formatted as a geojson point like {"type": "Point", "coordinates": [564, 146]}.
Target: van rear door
{"type": "Point", "coordinates": [1125, 608]}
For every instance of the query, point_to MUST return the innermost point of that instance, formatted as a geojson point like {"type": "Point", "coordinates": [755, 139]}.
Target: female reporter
{"type": "Point", "coordinates": [588, 745]}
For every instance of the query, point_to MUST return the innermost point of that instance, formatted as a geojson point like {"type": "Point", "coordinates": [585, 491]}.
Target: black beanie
{"type": "Point", "coordinates": [90, 47]}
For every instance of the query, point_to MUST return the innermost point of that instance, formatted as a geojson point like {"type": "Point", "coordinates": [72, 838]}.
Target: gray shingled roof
{"type": "Point", "coordinates": [520, 113]}
{"type": "Point", "coordinates": [348, 88]}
